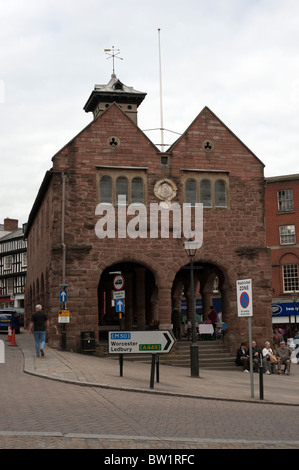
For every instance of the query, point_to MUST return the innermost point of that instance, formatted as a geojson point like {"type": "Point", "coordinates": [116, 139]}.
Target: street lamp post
{"type": "Point", "coordinates": [294, 297]}
{"type": "Point", "coordinates": [190, 248]}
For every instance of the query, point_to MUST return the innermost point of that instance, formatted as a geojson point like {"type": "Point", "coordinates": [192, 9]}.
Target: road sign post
{"type": "Point", "coordinates": [63, 314]}
{"type": "Point", "coordinates": [244, 301]}
{"type": "Point", "coordinates": [142, 342]}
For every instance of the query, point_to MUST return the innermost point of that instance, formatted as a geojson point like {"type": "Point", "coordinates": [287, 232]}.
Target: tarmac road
{"type": "Point", "coordinates": [60, 414]}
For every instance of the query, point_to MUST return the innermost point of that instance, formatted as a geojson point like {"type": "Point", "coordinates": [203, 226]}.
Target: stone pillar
{"type": "Point", "coordinates": [140, 296]}
{"type": "Point", "coordinates": [128, 302]}
{"type": "Point", "coordinates": [165, 307]}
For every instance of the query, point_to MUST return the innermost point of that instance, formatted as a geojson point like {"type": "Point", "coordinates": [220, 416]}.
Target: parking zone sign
{"type": "Point", "coordinates": [244, 298]}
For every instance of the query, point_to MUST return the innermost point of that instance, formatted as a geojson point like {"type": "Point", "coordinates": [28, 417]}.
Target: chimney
{"type": "Point", "coordinates": [10, 224]}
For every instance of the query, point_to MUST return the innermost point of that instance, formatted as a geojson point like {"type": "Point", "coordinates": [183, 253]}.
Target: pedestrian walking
{"type": "Point", "coordinates": [40, 324]}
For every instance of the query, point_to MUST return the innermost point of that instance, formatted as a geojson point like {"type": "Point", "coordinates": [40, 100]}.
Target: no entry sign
{"type": "Point", "coordinates": [118, 282]}
{"type": "Point", "coordinates": [244, 298]}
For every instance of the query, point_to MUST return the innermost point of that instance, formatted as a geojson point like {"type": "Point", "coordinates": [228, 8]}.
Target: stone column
{"type": "Point", "coordinates": [140, 296]}
{"type": "Point", "coordinates": [128, 302]}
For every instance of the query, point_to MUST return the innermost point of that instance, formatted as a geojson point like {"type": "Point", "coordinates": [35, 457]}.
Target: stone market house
{"type": "Point", "coordinates": [111, 157]}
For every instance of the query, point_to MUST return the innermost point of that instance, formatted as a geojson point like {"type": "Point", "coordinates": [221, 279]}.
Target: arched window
{"type": "Point", "coordinates": [106, 189]}
{"type": "Point", "coordinates": [122, 190]}
{"type": "Point", "coordinates": [137, 190]}
{"type": "Point", "coordinates": [205, 193]}
{"type": "Point", "coordinates": [220, 193]}
{"type": "Point", "coordinates": [190, 192]}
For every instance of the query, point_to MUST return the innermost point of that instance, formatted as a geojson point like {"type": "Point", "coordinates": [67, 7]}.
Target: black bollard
{"type": "Point", "coordinates": [261, 372]}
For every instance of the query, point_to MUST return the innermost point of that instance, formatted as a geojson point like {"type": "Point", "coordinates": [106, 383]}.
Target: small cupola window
{"type": "Point", "coordinates": [118, 85]}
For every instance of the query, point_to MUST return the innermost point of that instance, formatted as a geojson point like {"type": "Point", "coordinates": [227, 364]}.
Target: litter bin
{"type": "Point", "coordinates": [88, 342]}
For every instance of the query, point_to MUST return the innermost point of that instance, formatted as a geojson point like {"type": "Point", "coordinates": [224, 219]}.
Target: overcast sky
{"type": "Point", "coordinates": [238, 57]}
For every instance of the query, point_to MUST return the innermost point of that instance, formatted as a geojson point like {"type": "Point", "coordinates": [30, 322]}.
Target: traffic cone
{"type": "Point", "coordinates": [8, 333]}
{"type": "Point", "coordinates": [13, 339]}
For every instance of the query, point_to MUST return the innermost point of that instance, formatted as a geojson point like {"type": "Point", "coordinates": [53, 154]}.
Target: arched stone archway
{"type": "Point", "coordinates": [141, 297]}
{"type": "Point", "coordinates": [209, 288]}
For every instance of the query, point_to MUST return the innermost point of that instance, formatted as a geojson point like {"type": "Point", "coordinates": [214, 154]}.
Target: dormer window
{"type": "Point", "coordinates": [118, 86]}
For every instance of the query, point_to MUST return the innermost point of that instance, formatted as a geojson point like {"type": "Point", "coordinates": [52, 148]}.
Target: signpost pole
{"type": "Point", "coordinates": [250, 357]}
{"type": "Point", "coordinates": [157, 368]}
{"type": "Point", "coordinates": [153, 371]}
{"type": "Point", "coordinates": [63, 298]}
{"type": "Point", "coordinates": [245, 309]}
{"type": "Point", "coordinates": [121, 364]}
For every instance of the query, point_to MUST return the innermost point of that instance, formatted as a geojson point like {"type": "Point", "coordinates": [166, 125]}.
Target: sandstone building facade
{"type": "Point", "coordinates": [113, 157]}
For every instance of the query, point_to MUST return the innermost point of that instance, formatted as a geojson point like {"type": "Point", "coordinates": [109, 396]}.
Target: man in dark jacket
{"type": "Point", "coordinates": [242, 358]}
{"type": "Point", "coordinates": [40, 323]}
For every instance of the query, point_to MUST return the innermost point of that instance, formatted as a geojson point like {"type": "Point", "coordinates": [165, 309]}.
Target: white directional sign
{"type": "Point", "coordinates": [119, 294]}
{"type": "Point", "coordinates": [133, 342]}
{"type": "Point", "coordinates": [244, 298]}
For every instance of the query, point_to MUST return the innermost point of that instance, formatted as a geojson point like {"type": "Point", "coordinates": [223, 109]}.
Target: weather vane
{"type": "Point", "coordinates": [112, 53]}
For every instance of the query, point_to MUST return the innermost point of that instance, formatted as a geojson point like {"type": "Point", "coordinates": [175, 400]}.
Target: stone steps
{"type": "Point", "coordinates": [211, 355]}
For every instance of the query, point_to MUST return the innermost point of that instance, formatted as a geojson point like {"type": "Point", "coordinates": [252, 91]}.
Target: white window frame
{"type": "Point", "coordinates": [287, 235]}
{"type": "Point", "coordinates": [290, 277]}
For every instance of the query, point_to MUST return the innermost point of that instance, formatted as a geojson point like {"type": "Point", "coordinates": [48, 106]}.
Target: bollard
{"type": "Point", "coordinates": [261, 372]}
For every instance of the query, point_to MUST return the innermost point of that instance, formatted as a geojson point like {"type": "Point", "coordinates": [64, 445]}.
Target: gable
{"type": "Point", "coordinates": [111, 138]}
{"type": "Point", "coordinates": [209, 144]}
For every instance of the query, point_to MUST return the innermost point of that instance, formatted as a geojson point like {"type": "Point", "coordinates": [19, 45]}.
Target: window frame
{"type": "Point", "coordinates": [281, 235]}
{"type": "Point", "coordinates": [284, 203]}
{"type": "Point", "coordinates": [287, 279]}
{"type": "Point", "coordinates": [200, 177]}
{"type": "Point", "coordinates": [130, 175]}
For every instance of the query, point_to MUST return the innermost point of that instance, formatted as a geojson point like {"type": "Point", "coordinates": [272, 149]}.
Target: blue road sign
{"type": "Point", "coordinates": [120, 305]}
{"type": "Point", "coordinates": [63, 296]}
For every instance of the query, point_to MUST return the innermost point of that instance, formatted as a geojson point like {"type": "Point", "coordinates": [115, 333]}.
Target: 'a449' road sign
{"type": "Point", "coordinates": [134, 342]}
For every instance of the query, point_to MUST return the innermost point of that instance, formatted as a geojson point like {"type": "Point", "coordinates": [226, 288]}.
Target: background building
{"type": "Point", "coordinates": [282, 229]}
{"type": "Point", "coordinates": [13, 264]}
{"type": "Point", "coordinates": [113, 157]}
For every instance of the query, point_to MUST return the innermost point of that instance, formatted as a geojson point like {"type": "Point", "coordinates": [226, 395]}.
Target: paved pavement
{"type": "Point", "coordinates": [94, 371]}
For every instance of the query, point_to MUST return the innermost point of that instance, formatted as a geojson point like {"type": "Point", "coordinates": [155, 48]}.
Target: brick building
{"type": "Point", "coordinates": [282, 228]}
{"type": "Point", "coordinates": [112, 157]}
